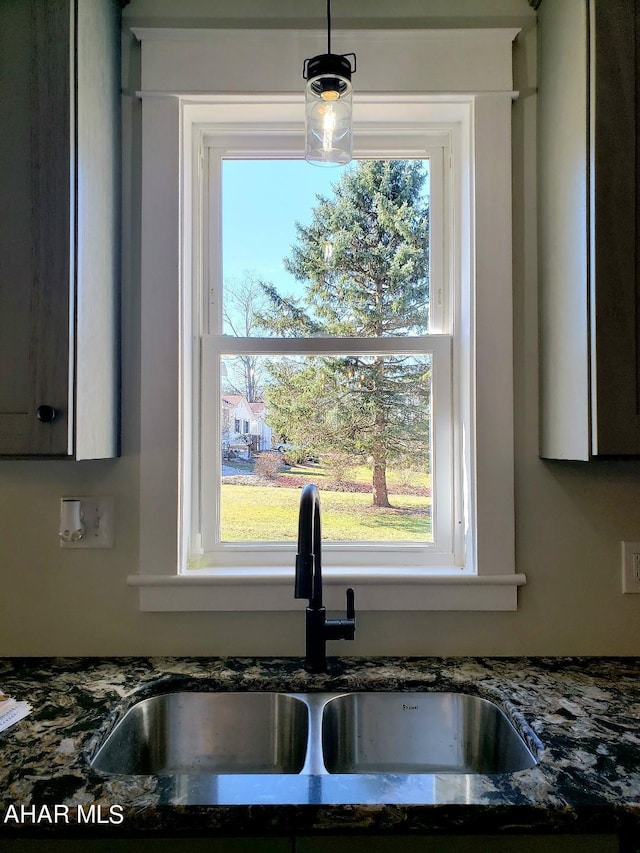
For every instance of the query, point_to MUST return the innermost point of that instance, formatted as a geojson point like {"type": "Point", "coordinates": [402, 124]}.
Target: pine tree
{"type": "Point", "coordinates": [364, 262]}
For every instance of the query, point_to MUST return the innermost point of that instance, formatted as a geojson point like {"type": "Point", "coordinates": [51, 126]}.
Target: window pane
{"type": "Point", "coordinates": [358, 426]}
{"type": "Point", "coordinates": [307, 252]}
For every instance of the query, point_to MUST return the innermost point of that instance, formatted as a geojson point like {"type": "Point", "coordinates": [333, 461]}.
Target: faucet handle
{"type": "Point", "coordinates": [351, 604]}
{"type": "Point", "coordinates": [342, 629]}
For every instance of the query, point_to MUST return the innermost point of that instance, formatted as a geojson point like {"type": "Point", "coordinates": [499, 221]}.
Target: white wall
{"type": "Point", "coordinates": [570, 517]}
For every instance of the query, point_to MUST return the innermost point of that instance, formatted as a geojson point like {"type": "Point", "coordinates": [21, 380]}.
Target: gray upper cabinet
{"type": "Point", "coordinates": [59, 232]}
{"type": "Point", "coordinates": [589, 228]}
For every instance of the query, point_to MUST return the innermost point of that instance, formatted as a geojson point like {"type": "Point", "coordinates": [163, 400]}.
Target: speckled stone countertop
{"type": "Point", "coordinates": [579, 716]}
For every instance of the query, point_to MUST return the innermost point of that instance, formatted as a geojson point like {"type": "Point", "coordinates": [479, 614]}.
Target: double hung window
{"type": "Point", "coordinates": [348, 358]}
{"type": "Point", "coordinates": [375, 362]}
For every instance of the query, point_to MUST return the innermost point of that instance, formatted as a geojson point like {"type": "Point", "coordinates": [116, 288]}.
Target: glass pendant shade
{"type": "Point", "coordinates": [329, 140]}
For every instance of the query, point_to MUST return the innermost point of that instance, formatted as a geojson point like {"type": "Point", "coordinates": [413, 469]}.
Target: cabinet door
{"type": "Point", "coordinates": [59, 247]}
{"type": "Point", "coordinates": [36, 233]}
{"type": "Point", "coordinates": [615, 226]}
{"type": "Point", "coordinates": [589, 228]}
{"type": "Point", "coordinates": [148, 845]}
{"type": "Point", "coordinates": [460, 844]}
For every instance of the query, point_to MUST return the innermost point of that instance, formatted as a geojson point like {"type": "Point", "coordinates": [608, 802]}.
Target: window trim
{"type": "Point", "coordinates": [486, 327]}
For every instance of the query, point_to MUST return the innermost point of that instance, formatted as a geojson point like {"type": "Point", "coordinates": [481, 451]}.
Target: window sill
{"type": "Point", "coordinates": [242, 590]}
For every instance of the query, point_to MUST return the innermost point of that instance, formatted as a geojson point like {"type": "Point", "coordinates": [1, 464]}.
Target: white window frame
{"type": "Point", "coordinates": [216, 140]}
{"type": "Point", "coordinates": [463, 77]}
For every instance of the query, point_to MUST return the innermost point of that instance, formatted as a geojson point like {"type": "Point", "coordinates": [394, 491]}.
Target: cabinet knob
{"type": "Point", "coordinates": [46, 414]}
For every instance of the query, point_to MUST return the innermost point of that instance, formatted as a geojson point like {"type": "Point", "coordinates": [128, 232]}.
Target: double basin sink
{"type": "Point", "coordinates": [313, 734]}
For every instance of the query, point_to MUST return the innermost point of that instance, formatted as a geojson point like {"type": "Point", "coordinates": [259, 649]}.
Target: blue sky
{"type": "Point", "coordinates": [261, 202]}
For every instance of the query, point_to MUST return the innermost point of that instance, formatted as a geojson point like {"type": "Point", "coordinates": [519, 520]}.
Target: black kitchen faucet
{"type": "Point", "coordinates": [319, 629]}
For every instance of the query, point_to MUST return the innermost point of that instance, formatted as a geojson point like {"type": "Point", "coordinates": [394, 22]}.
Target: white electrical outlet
{"type": "Point", "coordinates": [96, 514]}
{"type": "Point", "coordinates": [631, 567]}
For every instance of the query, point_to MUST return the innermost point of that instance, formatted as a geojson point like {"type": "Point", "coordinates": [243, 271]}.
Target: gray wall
{"type": "Point", "coordinates": [570, 518]}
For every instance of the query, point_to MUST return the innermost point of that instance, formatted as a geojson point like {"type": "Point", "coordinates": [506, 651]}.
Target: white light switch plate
{"type": "Point", "coordinates": [97, 516]}
{"type": "Point", "coordinates": [631, 566]}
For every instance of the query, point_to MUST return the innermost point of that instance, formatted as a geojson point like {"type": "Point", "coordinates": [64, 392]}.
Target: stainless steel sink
{"type": "Point", "coordinates": [312, 734]}
{"type": "Point", "coordinates": [420, 733]}
{"type": "Point", "coordinates": [216, 733]}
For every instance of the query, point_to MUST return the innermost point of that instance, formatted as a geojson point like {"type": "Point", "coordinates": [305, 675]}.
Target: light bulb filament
{"type": "Point", "coordinates": [328, 127]}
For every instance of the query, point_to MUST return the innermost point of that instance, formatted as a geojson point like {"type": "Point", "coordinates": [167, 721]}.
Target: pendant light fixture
{"type": "Point", "coordinates": [329, 140]}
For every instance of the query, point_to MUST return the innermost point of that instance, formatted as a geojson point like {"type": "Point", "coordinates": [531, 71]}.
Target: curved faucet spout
{"type": "Point", "coordinates": [308, 584]}
{"type": "Point", "coordinates": [309, 557]}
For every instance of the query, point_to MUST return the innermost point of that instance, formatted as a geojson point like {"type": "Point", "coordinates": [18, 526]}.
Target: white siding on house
{"type": "Point", "coordinates": [243, 426]}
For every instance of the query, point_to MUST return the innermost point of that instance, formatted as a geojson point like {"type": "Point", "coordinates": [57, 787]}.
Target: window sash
{"type": "Point", "coordinates": [446, 547]}
{"type": "Point", "coordinates": [422, 143]}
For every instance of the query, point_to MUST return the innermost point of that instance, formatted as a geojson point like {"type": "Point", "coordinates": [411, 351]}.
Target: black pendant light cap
{"type": "Point", "coordinates": [327, 65]}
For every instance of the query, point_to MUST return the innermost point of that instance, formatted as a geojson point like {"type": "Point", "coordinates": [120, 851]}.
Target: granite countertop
{"type": "Point", "coordinates": [579, 717]}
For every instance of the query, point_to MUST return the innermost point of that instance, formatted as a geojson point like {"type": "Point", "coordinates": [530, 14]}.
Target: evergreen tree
{"type": "Point", "coordinates": [364, 262]}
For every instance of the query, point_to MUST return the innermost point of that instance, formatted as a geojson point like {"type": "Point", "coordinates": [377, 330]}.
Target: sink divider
{"type": "Point", "coordinates": [315, 702]}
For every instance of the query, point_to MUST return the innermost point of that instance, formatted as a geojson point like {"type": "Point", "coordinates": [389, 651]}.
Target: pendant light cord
{"type": "Point", "coordinates": [328, 26]}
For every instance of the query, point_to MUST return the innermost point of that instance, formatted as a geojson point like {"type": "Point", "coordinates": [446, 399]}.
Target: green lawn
{"type": "Point", "coordinates": [263, 513]}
